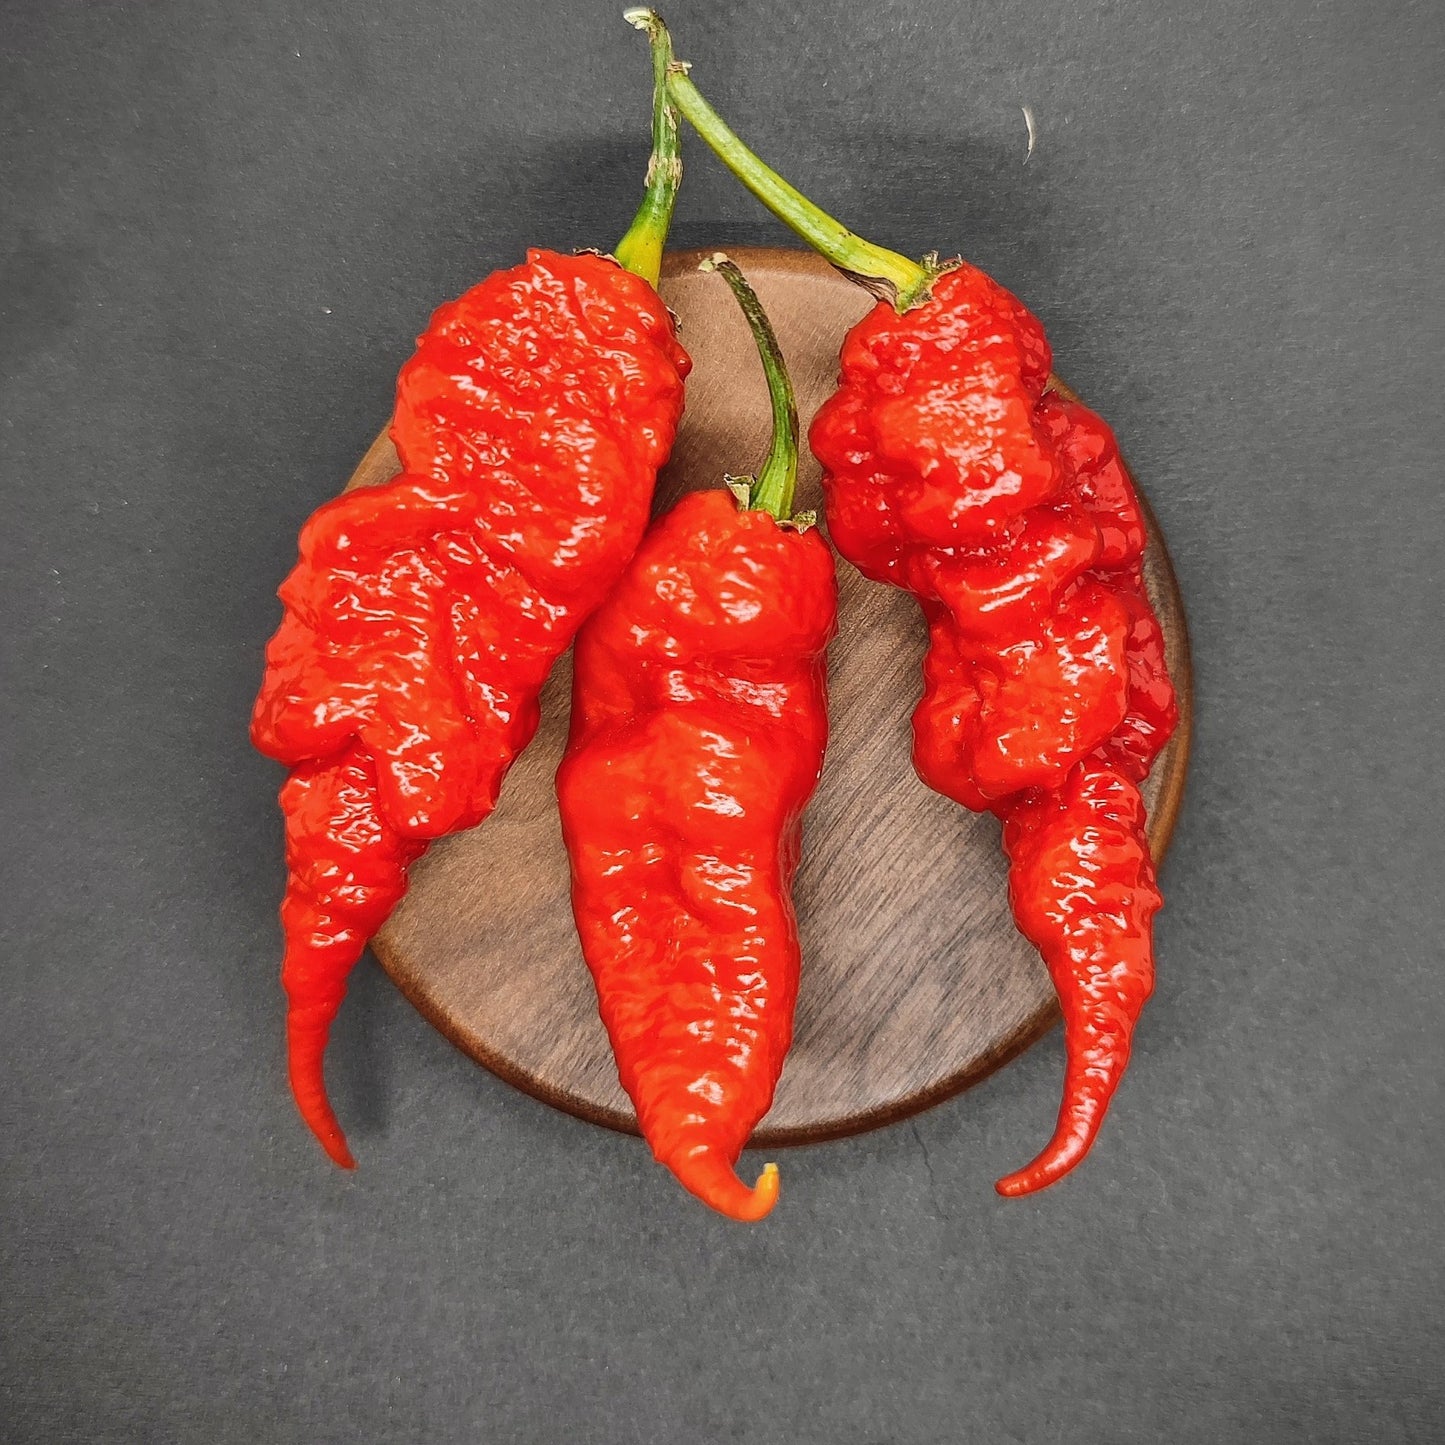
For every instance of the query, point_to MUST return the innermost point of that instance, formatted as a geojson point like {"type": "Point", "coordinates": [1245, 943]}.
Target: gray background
{"type": "Point", "coordinates": [221, 225]}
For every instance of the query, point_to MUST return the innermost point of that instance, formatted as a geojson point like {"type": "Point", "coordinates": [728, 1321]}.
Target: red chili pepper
{"type": "Point", "coordinates": [424, 614]}
{"type": "Point", "coordinates": [699, 718]}
{"type": "Point", "coordinates": [950, 471]}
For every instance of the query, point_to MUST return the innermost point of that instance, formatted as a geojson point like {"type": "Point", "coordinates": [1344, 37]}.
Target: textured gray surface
{"type": "Point", "coordinates": [220, 227]}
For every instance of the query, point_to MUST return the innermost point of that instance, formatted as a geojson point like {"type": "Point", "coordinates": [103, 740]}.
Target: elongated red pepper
{"type": "Point", "coordinates": [424, 614]}
{"type": "Point", "coordinates": [699, 718]}
{"type": "Point", "coordinates": [953, 471]}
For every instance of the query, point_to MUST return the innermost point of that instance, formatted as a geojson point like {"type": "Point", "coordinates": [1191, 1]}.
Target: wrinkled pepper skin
{"type": "Point", "coordinates": [951, 472]}
{"type": "Point", "coordinates": [699, 719]}
{"type": "Point", "coordinates": [425, 613]}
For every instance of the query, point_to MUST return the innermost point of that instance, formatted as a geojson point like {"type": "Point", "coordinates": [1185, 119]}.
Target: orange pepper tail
{"type": "Point", "coordinates": [709, 1175]}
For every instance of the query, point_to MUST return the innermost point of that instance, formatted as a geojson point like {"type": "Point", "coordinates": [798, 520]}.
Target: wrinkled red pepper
{"type": "Point", "coordinates": [699, 719]}
{"type": "Point", "coordinates": [952, 472]}
{"type": "Point", "coordinates": [424, 614]}
{"type": "Point", "coordinates": [1046, 697]}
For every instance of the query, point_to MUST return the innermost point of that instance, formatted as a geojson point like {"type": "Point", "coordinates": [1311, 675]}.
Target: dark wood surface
{"type": "Point", "coordinates": [915, 982]}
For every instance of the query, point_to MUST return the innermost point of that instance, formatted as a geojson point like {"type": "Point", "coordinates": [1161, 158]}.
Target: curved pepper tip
{"type": "Point", "coordinates": [329, 1134]}
{"type": "Point", "coordinates": [305, 1050]}
{"type": "Point", "coordinates": [1089, 1084]}
{"type": "Point", "coordinates": [1057, 1158]}
{"type": "Point", "coordinates": [338, 1149]}
{"type": "Point", "coordinates": [708, 1175]}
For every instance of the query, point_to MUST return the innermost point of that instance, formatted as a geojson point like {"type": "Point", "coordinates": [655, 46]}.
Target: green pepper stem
{"type": "Point", "coordinates": [772, 490]}
{"type": "Point", "coordinates": [640, 250]}
{"type": "Point", "coordinates": [884, 273]}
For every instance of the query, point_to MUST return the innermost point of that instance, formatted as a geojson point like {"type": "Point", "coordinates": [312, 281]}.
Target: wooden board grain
{"type": "Point", "coordinates": [915, 982]}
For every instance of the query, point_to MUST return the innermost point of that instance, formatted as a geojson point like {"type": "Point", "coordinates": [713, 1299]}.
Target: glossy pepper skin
{"type": "Point", "coordinates": [951, 472]}
{"type": "Point", "coordinates": [424, 614]}
{"type": "Point", "coordinates": [1004, 508]}
{"type": "Point", "coordinates": [699, 720]}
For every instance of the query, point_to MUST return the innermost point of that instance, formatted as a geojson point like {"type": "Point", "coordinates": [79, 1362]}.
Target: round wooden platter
{"type": "Point", "coordinates": [915, 982]}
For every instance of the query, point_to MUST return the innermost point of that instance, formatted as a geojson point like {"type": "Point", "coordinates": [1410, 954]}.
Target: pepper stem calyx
{"type": "Point", "coordinates": [772, 489]}
{"type": "Point", "coordinates": [640, 250]}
